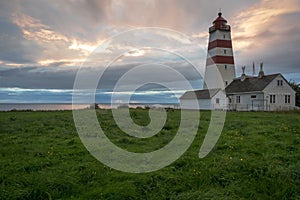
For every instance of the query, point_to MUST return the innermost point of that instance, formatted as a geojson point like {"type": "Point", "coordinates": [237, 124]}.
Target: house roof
{"type": "Point", "coordinates": [200, 94]}
{"type": "Point", "coordinates": [250, 84]}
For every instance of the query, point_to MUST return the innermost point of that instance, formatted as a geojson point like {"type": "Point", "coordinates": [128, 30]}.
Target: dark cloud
{"type": "Point", "coordinates": [276, 45]}
{"type": "Point", "coordinates": [34, 77]}
{"type": "Point", "coordinates": [14, 47]}
{"type": "Point", "coordinates": [51, 78]}
{"type": "Point", "coordinates": [92, 20]}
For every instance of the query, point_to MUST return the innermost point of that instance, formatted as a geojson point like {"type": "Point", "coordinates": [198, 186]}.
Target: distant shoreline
{"type": "Point", "coordinates": [70, 106]}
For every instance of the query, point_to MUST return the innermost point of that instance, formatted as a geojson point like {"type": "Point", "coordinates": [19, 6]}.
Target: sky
{"type": "Point", "coordinates": [44, 43]}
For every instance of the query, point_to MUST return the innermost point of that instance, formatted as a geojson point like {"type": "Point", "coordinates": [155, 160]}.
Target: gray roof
{"type": "Point", "coordinates": [250, 84]}
{"type": "Point", "coordinates": [200, 94]}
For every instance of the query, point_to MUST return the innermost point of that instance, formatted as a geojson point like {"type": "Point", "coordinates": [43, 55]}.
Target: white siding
{"type": "Point", "coordinates": [206, 104]}
{"type": "Point", "coordinates": [213, 77]}
{"type": "Point", "coordinates": [217, 75]}
{"type": "Point", "coordinates": [248, 103]}
{"type": "Point", "coordinates": [222, 105]}
{"type": "Point", "coordinates": [188, 104]}
{"type": "Point", "coordinates": [220, 35]}
{"type": "Point", "coordinates": [220, 52]}
{"type": "Point", "coordinates": [280, 92]}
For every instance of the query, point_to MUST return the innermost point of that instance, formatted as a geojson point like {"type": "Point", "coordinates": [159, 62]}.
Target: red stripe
{"type": "Point", "coordinates": [220, 60]}
{"type": "Point", "coordinates": [220, 43]}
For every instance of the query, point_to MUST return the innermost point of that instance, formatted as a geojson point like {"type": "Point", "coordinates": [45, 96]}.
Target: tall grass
{"type": "Point", "coordinates": [257, 157]}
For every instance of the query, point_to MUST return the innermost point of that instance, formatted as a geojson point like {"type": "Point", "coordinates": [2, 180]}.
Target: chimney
{"type": "Point", "coordinates": [261, 72]}
{"type": "Point", "coordinates": [243, 77]}
{"type": "Point", "coordinates": [253, 68]}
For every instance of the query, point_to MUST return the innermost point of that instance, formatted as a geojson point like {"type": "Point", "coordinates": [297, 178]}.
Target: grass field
{"type": "Point", "coordinates": [256, 157]}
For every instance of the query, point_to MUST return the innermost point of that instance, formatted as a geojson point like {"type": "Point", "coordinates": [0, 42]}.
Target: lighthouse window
{"type": "Point", "coordinates": [225, 51]}
{"type": "Point", "coordinates": [225, 67]}
{"type": "Point", "coordinates": [224, 36]}
{"type": "Point", "coordinates": [226, 83]}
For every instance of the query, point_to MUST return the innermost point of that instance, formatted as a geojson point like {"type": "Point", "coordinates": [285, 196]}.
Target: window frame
{"type": "Point", "coordinates": [279, 82]}
{"type": "Point", "coordinates": [238, 99]}
{"type": "Point", "coordinates": [287, 99]}
{"type": "Point", "coordinates": [272, 99]}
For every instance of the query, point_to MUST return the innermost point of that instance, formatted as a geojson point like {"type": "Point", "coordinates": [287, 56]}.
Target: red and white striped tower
{"type": "Point", "coordinates": [220, 69]}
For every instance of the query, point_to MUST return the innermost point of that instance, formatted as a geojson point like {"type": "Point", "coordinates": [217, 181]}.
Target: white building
{"type": "Point", "coordinates": [205, 99]}
{"type": "Point", "coordinates": [262, 93]}
{"type": "Point", "coordinates": [248, 93]}
{"type": "Point", "coordinates": [222, 91]}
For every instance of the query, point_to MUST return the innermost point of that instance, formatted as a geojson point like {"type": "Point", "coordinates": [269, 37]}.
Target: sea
{"type": "Point", "coordinates": [62, 99]}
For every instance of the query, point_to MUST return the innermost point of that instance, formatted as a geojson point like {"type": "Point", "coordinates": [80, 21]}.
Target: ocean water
{"type": "Point", "coordinates": [57, 99]}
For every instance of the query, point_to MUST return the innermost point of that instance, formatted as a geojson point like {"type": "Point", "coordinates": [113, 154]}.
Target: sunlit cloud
{"type": "Point", "coordinates": [86, 48]}
{"type": "Point", "coordinates": [54, 37]}
{"type": "Point", "coordinates": [33, 29]}
{"type": "Point", "coordinates": [15, 64]}
{"type": "Point", "coordinates": [259, 19]}
{"type": "Point", "coordinates": [67, 62]}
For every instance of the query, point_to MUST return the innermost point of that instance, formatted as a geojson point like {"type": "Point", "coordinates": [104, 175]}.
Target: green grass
{"type": "Point", "coordinates": [256, 157]}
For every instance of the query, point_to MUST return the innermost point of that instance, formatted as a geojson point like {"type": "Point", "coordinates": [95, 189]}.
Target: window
{"type": "Point", "coordinates": [279, 82]}
{"type": "Point", "coordinates": [225, 51]}
{"type": "Point", "coordinates": [253, 96]}
{"type": "Point", "coordinates": [217, 100]}
{"type": "Point", "coordinates": [225, 67]}
{"type": "Point", "coordinates": [272, 98]}
{"type": "Point", "coordinates": [224, 36]}
{"type": "Point", "coordinates": [226, 83]}
{"type": "Point", "coordinates": [287, 98]}
{"type": "Point", "coordinates": [238, 99]}
{"type": "Point", "coordinates": [230, 100]}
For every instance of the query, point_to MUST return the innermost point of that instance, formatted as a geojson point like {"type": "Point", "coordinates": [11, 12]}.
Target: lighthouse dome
{"type": "Point", "coordinates": [220, 19]}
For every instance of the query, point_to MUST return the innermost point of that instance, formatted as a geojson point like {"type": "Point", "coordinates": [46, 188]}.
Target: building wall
{"type": "Point", "coordinates": [189, 104]}
{"type": "Point", "coordinates": [248, 102]}
{"type": "Point", "coordinates": [222, 99]}
{"type": "Point", "coordinates": [280, 92]}
{"type": "Point", "coordinates": [219, 54]}
{"type": "Point", "coordinates": [207, 104]}
{"type": "Point", "coordinates": [219, 51]}
{"type": "Point", "coordinates": [220, 35]}
{"type": "Point", "coordinates": [213, 77]}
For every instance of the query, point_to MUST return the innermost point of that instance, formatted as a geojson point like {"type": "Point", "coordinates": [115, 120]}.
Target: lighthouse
{"type": "Point", "coordinates": [220, 69]}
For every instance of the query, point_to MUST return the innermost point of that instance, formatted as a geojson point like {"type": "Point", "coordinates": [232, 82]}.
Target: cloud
{"type": "Point", "coordinates": [55, 37]}
{"type": "Point", "coordinates": [267, 32]}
